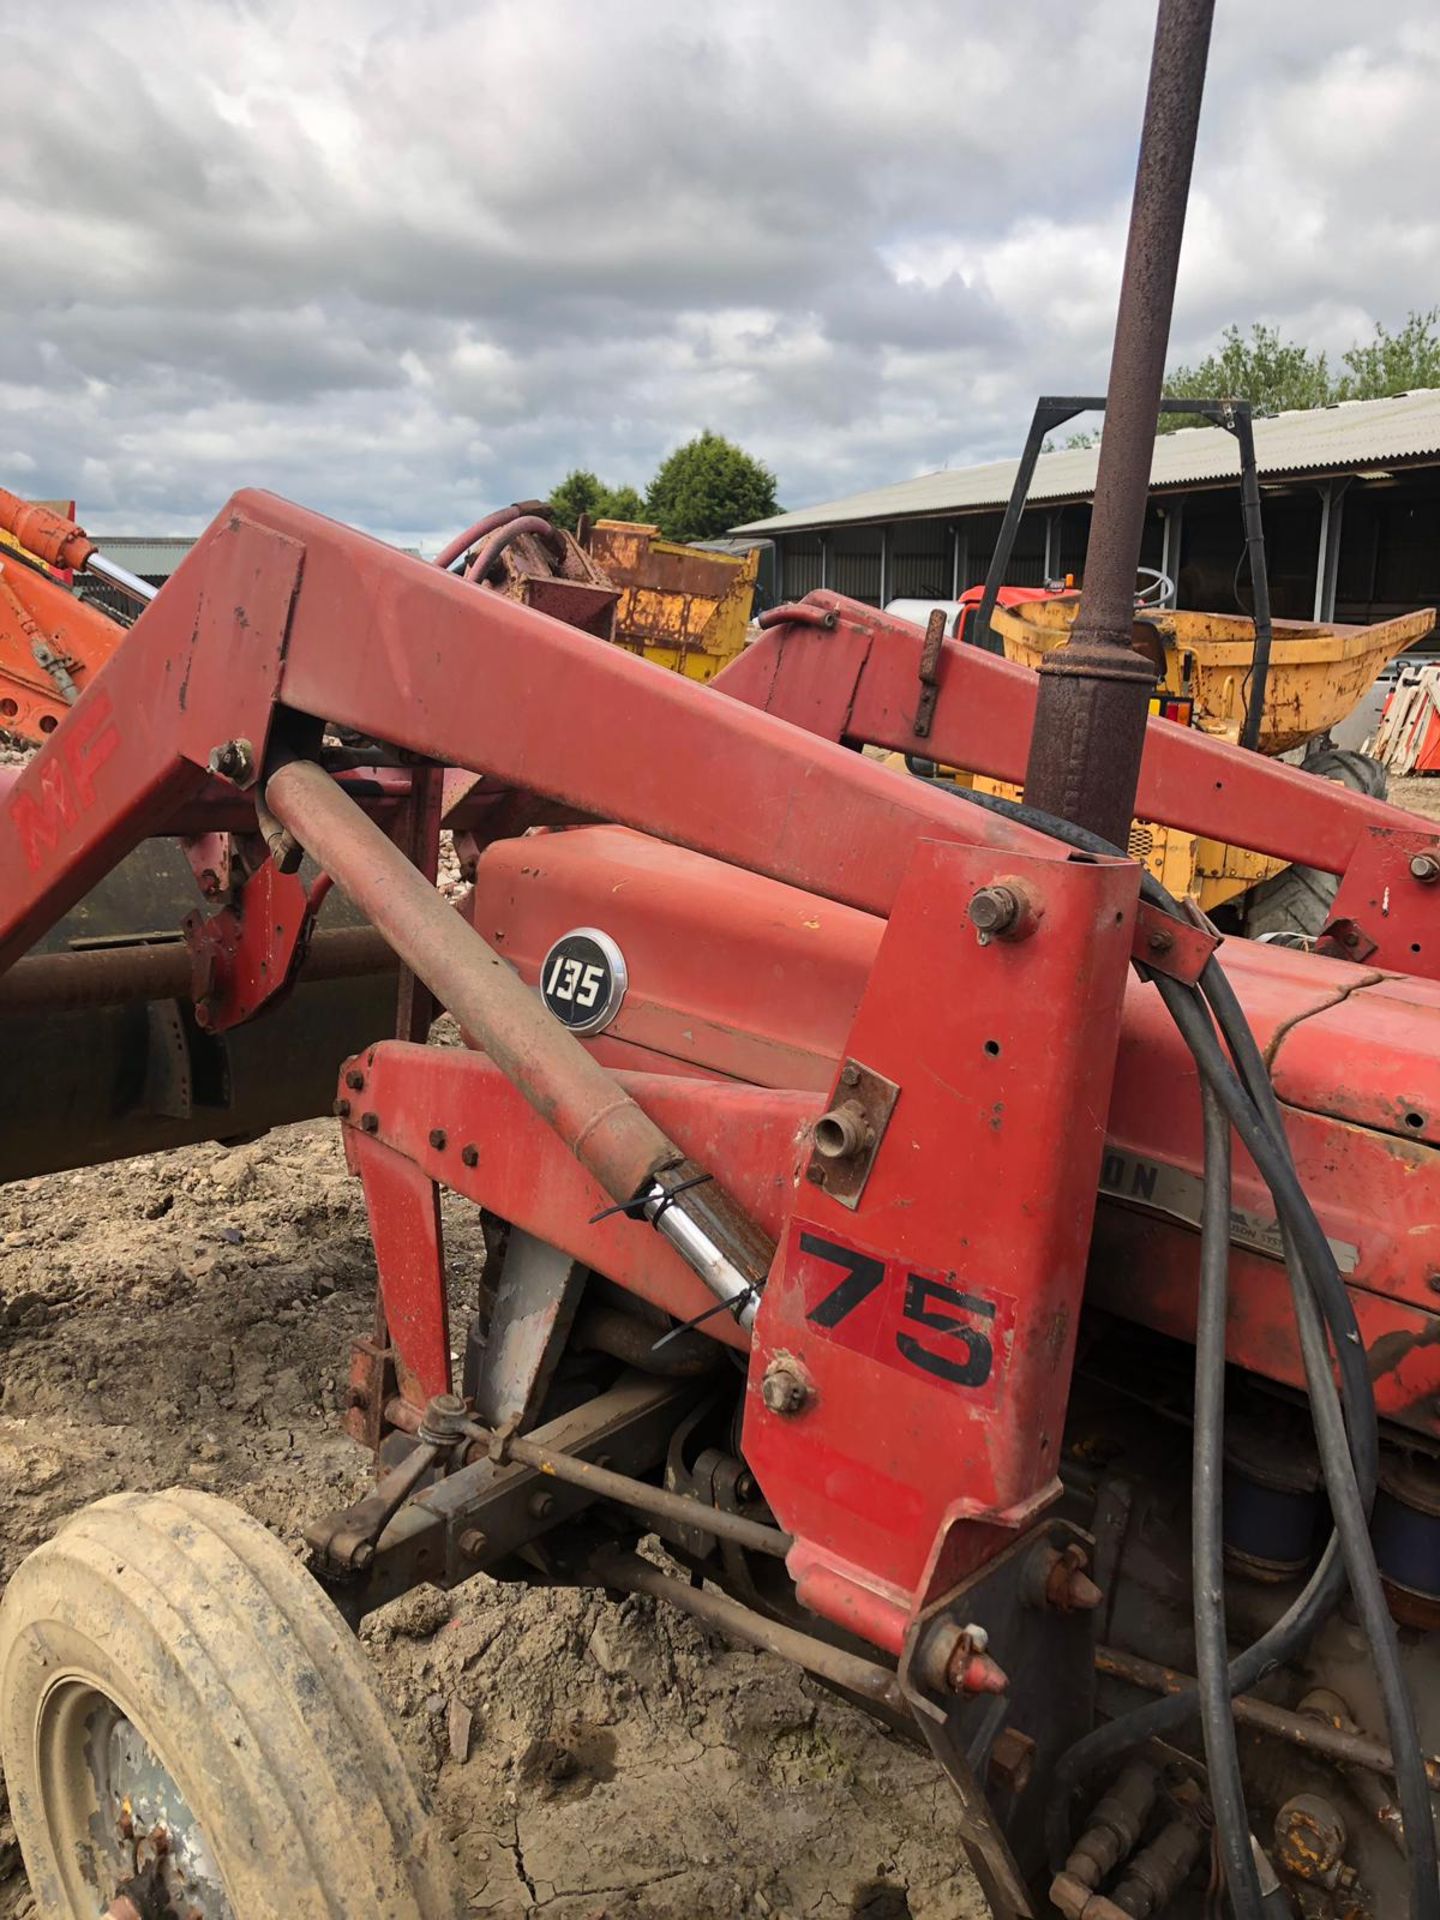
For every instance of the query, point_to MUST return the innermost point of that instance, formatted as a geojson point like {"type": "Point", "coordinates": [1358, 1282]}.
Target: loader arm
{"type": "Point", "coordinates": [860, 682]}
{"type": "Point", "coordinates": [277, 609]}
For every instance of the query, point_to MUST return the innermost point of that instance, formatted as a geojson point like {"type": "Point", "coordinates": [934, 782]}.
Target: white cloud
{"type": "Point", "coordinates": [406, 263]}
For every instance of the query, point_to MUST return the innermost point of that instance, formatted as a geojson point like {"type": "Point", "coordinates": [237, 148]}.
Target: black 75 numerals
{"type": "Point", "coordinates": [928, 1303]}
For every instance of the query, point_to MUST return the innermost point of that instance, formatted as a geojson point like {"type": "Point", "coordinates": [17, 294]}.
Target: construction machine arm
{"type": "Point", "coordinates": [280, 620]}
{"type": "Point", "coordinates": [861, 682]}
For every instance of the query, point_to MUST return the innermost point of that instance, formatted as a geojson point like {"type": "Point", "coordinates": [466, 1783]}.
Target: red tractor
{"type": "Point", "coordinates": [998, 1298]}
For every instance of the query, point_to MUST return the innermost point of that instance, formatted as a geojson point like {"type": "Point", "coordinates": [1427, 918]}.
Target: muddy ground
{"type": "Point", "coordinates": [185, 1319]}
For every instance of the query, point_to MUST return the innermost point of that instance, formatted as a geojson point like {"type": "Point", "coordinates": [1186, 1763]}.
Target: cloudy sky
{"type": "Point", "coordinates": [404, 262]}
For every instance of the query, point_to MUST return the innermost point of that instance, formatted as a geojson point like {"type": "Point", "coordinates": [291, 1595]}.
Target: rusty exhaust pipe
{"type": "Point", "coordinates": [1095, 689]}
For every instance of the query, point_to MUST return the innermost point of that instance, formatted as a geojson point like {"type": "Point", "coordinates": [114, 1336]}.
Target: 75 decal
{"type": "Point", "coordinates": [905, 1317]}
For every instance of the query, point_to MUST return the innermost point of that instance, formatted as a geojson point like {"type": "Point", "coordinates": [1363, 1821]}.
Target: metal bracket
{"type": "Point", "coordinates": [930, 672]}
{"type": "Point", "coordinates": [1176, 948]}
{"type": "Point", "coordinates": [1046, 1648]}
{"type": "Point", "coordinates": [847, 1137]}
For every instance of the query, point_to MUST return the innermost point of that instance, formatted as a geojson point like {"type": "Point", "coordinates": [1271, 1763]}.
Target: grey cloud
{"type": "Point", "coordinates": [403, 263]}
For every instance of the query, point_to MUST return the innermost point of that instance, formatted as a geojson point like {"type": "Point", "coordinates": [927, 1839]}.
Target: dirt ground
{"type": "Point", "coordinates": [185, 1319]}
{"type": "Point", "coordinates": [1421, 794]}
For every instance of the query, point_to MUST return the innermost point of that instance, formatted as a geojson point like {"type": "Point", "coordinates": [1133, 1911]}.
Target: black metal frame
{"type": "Point", "coordinates": [1236, 416]}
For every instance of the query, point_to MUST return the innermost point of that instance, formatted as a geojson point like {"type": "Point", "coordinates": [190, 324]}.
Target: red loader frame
{"type": "Point", "coordinates": [938, 1287]}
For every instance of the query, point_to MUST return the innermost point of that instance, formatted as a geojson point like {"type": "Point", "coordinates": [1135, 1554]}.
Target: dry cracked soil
{"type": "Point", "coordinates": [185, 1319]}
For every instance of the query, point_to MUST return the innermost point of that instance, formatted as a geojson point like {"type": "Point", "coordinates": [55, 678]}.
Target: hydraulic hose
{"type": "Point", "coordinates": [1347, 1438]}
{"type": "Point", "coordinates": [1222, 1757]}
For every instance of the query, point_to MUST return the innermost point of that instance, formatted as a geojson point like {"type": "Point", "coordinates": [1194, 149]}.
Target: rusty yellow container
{"type": "Point", "coordinates": [682, 607]}
{"type": "Point", "coordinates": [1318, 675]}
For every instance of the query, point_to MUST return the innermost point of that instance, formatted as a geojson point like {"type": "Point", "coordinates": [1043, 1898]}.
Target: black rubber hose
{"type": "Point", "coordinates": [1222, 1757]}
{"type": "Point", "coordinates": [1348, 1441]}
{"type": "Point", "coordinates": [1267, 1147]}
{"type": "Point", "coordinates": [1350, 1504]}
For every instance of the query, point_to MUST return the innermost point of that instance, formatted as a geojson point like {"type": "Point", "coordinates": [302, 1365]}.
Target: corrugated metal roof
{"type": "Point", "coordinates": [1326, 439]}
{"type": "Point", "coordinates": [149, 557]}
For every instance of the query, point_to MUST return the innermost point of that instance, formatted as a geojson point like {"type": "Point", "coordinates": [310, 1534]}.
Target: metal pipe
{"type": "Point", "coordinates": [1299, 1729]}
{"type": "Point", "coordinates": [1259, 570]}
{"type": "Point", "coordinates": [599, 1122]}
{"type": "Point", "coordinates": [502, 538]}
{"type": "Point", "coordinates": [116, 976]}
{"type": "Point", "coordinates": [659, 1504]}
{"type": "Point", "coordinates": [1094, 689]}
{"type": "Point", "coordinates": [798, 614]}
{"type": "Point", "coordinates": [608, 1133]}
{"type": "Point", "coordinates": [447, 556]}
{"type": "Point", "coordinates": [120, 577]}
{"type": "Point", "coordinates": [630, 1574]}
{"type": "Point", "coordinates": [686, 1352]}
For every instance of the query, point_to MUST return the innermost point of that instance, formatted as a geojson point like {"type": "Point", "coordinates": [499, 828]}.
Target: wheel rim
{"type": "Point", "coordinates": [115, 1810]}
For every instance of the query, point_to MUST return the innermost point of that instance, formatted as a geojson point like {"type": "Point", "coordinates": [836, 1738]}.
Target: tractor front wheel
{"type": "Point", "coordinates": [189, 1729]}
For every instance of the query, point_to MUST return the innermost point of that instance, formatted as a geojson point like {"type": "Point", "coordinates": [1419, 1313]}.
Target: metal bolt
{"type": "Point", "coordinates": [470, 1156]}
{"type": "Point", "coordinates": [784, 1388]}
{"type": "Point", "coordinates": [1350, 937]}
{"type": "Point", "coordinates": [1012, 1759]}
{"type": "Point", "coordinates": [994, 911]}
{"type": "Point", "coordinates": [541, 1505]}
{"type": "Point", "coordinates": [209, 883]}
{"type": "Point", "coordinates": [953, 1659]}
{"type": "Point", "coordinates": [473, 1543]}
{"type": "Point", "coordinates": [362, 1555]}
{"type": "Point", "coordinates": [355, 1080]}
{"type": "Point", "coordinates": [341, 1109]}
{"type": "Point", "coordinates": [437, 1139]}
{"type": "Point", "coordinates": [204, 1012]}
{"type": "Point", "coordinates": [233, 760]}
{"type": "Point", "coordinates": [370, 1122]}
{"type": "Point", "coordinates": [850, 1076]}
{"type": "Point", "coordinates": [1057, 1579]}
{"type": "Point", "coordinates": [1426, 868]}
{"type": "Point", "coordinates": [1160, 941]}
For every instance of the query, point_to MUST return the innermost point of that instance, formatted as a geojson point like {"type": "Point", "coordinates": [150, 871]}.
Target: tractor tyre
{"type": "Point", "coordinates": [187, 1722]}
{"type": "Point", "coordinates": [1298, 901]}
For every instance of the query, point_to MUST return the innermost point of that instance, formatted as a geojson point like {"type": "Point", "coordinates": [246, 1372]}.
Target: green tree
{"type": "Point", "coordinates": [1394, 362]}
{"type": "Point", "coordinates": [621, 503]}
{"type": "Point", "coordinates": [1274, 375]}
{"type": "Point", "coordinates": [708, 486]}
{"type": "Point", "coordinates": [579, 492]}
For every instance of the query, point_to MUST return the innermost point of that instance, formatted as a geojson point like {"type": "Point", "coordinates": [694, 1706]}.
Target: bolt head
{"type": "Point", "coordinates": [994, 910]}
{"type": "Point", "coordinates": [473, 1543]}
{"type": "Point", "coordinates": [437, 1138]}
{"type": "Point", "coordinates": [784, 1388]}
{"type": "Point", "coordinates": [232, 760]}
{"type": "Point", "coordinates": [355, 1080]}
{"type": "Point", "coordinates": [1426, 868]}
{"type": "Point", "coordinates": [370, 1122]}
{"type": "Point", "coordinates": [341, 1109]}
{"type": "Point", "coordinates": [541, 1505]}
{"type": "Point", "coordinates": [470, 1156]}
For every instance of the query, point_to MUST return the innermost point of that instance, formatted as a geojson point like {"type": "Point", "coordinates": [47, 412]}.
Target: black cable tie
{"type": "Point", "coordinates": [735, 1306]}
{"type": "Point", "coordinates": [635, 1209]}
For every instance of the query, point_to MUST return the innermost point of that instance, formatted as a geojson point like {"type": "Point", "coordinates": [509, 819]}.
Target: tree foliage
{"type": "Point", "coordinates": [1282, 376]}
{"type": "Point", "coordinates": [622, 503]}
{"type": "Point", "coordinates": [702, 489]}
{"type": "Point", "coordinates": [1395, 362]}
{"type": "Point", "coordinates": [708, 486]}
{"type": "Point", "coordinates": [584, 492]}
